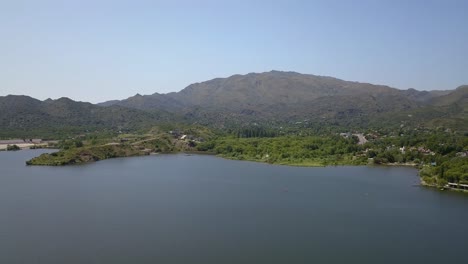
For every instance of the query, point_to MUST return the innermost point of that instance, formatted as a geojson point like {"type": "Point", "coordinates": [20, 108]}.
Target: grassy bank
{"type": "Point", "coordinates": [78, 151]}
{"type": "Point", "coordinates": [292, 151]}
{"type": "Point", "coordinates": [436, 156]}
{"type": "Point", "coordinates": [86, 154]}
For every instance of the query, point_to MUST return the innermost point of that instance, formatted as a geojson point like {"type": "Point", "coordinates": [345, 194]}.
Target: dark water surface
{"type": "Point", "coordinates": [203, 209]}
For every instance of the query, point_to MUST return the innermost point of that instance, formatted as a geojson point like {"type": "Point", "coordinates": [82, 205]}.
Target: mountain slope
{"type": "Point", "coordinates": [284, 97]}
{"type": "Point", "coordinates": [423, 96]}
{"type": "Point", "coordinates": [23, 115]}
{"type": "Point", "coordinates": [271, 88]}
{"type": "Point", "coordinates": [268, 99]}
{"type": "Point", "coordinates": [155, 101]}
{"type": "Point", "coordinates": [454, 107]}
{"type": "Point", "coordinates": [458, 96]}
{"type": "Point", "coordinates": [275, 92]}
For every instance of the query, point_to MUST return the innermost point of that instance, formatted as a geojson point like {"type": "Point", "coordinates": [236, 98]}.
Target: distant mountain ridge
{"type": "Point", "coordinates": [282, 96]}
{"type": "Point", "coordinates": [26, 116]}
{"type": "Point", "coordinates": [155, 101]}
{"type": "Point", "coordinates": [269, 88]}
{"type": "Point", "coordinates": [241, 100]}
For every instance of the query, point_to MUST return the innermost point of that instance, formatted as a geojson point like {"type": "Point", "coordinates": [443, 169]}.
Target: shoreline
{"type": "Point", "coordinates": [311, 164]}
{"type": "Point", "coordinates": [26, 146]}
{"type": "Point", "coordinates": [444, 188]}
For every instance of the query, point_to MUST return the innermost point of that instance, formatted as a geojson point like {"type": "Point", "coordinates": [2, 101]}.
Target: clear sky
{"type": "Point", "coordinates": [93, 50]}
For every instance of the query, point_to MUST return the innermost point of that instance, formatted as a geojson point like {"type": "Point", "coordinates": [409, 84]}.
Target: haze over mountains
{"type": "Point", "coordinates": [256, 90]}
{"type": "Point", "coordinates": [262, 98]}
{"type": "Point", "coordinates": [288, 96]}
{"type": "Point", "coordinates": [23, 116]}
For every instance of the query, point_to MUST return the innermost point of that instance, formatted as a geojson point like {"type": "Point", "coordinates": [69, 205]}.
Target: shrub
{"type": "Point", "coordinates": [13, 147]}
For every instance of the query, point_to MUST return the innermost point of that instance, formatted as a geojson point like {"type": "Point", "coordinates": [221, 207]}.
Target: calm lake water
{"type": "Point", "coordinates": [204, 209]}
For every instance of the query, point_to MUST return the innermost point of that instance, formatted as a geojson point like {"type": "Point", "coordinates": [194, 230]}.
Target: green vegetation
{"type": "Point", "coordinates": [440, 154]}
{"type": "Point", "coordinates": [12, 147]}
{"type": "Point", "coordinates": [252, 105]}
{"type": "Point", "coordinates": [274, 117]}
{"type": "Point", "coordinates": [289, 150]}
{"type": "Point", "coordinates": [95, 147]}
{"type": "Point", "coordinates": [23, 116]}
{"type": "Point", "coordinates": [454, 170]}
{"type": "Point", "coordinates": [85, 154]}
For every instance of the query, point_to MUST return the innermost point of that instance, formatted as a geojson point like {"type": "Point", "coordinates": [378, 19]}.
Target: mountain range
{"type": "Point", "coordinates": [291, 97]}
{"type": "Point", "coordinates": [256, 98]}
{"type": "Point", "coordinates": [23, 116]}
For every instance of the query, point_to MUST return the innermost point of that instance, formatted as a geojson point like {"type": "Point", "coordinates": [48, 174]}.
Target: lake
{"type": "Point", "coordinates": [204, 209]}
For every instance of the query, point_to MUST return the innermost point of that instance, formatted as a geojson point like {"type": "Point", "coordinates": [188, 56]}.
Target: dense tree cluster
{"type": "Point", "coordinates": [441, 156]}
{"type": "Point", "coordinates": [294, 150]}
{"type": "Point", "coordinates": [12, 147]}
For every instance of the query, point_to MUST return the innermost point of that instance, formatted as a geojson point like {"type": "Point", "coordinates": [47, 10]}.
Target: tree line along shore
{"type": "Point", "coordinates": [440, 156]}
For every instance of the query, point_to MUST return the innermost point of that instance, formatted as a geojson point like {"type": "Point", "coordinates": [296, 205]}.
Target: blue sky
{"type": "Point", "coordinates": [100, 50]}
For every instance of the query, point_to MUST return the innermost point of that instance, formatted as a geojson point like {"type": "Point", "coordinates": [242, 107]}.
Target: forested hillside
{"type": "Point", "coordinates": [23, 116]}
{"type": "Point", "coordinates": [274, 101]}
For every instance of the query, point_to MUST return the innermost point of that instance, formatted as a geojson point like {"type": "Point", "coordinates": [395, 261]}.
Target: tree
{"type": "Point", "coordinates": [12, 147]}
{"type": "Point", "coordinates": [78, 143]}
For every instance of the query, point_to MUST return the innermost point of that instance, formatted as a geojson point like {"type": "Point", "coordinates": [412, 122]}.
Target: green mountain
{"type": "Point", "coordinates": [256, 91]}
{"type": "Point", "coordinates": [23, 116]}
{"type": "Point", "coordinates": [423, 96]}
{"type": "Point", "coordinates": [290, 97]}
{"type": "Point", "coordinates": [454, 108]}
{"type": "Point", "coordinates": [152, 102]}
{"type": "Point", "coordinates": [457, 97]}
{"type": "Point", "coordinates": [269, 100]}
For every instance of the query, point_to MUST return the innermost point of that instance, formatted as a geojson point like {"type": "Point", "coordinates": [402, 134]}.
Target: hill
{"type": "Point", "coordinates": [454, 107]}
{"type": "Point", "coordinates": [152, 102]}
{"type": "Point", "coordinates": [23, 116]}
{"type": "Point", "coordinates": [269, 100]}
{"type": "Point", "coordinates": [458, 97]}
{"type": "Point", "coordinates": [285, 97]}
{"type": "Point", "coordinates": [257, 90]}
